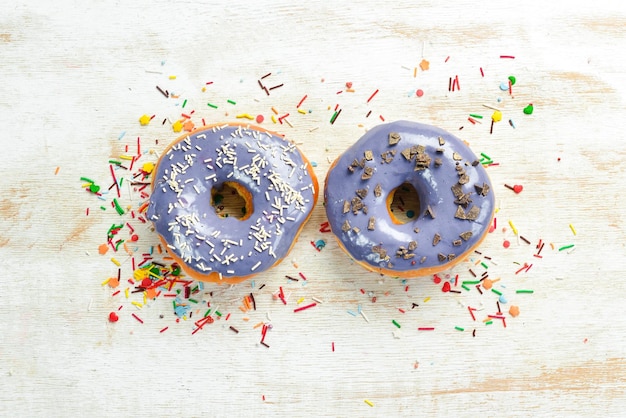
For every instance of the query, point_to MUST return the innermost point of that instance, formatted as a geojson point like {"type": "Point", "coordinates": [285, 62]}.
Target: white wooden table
{"type": "Point", "coordinates": [76, 77]}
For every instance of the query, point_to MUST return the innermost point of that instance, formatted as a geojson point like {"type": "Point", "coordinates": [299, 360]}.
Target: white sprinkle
{"type": "Point", "coordinates": [254, 267]}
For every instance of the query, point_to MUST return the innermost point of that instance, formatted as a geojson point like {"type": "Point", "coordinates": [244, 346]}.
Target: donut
{"type": "Point", "coordinates": [274, 179]}
{"type": "Point", "coordinates": [456, 204]}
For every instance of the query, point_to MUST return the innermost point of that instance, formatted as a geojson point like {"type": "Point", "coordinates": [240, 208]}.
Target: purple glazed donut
{"type": "Point", "coordinates": [454, 193]}
{"type": "Point", "coordinates": [273, 177]}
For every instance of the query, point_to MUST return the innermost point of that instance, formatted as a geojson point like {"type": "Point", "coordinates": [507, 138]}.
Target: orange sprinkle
{"type": "Point", "coordinates": [113, 282]}
{"type": "Point", "coordinates": [258, 325]}
{"type": "Point", "coordinates": [103, 249]}
{"type": "Point", "coordinates": [274, 110]}
{"type": "Point", "coordinates": [514, 310]}
{"type": "Point", "coordinates": [57, 171]}
{"type": "Point", "coordinates": [487, 284]}
{"type": "Point", "coordinates": [151, 293]}
{"type": "Point", "coordinates": [144, 207]}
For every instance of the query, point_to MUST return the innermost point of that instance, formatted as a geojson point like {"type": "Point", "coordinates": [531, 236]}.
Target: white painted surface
{"type": "Point", "coordinates": [77, 74]}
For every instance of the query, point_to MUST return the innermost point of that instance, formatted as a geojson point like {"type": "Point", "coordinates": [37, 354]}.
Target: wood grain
{"type": "Point", "coordinates": [76, 75]}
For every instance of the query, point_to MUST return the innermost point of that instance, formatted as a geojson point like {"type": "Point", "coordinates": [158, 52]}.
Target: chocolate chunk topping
{"type": "Point", "coordinates": [356, 205]}
{"type": "Point", "coordinates": [473, 213]}
{"type": "Point", "coordinates": [457, 242]}
{"type": "Point", "coordinates": [456, 156]}
{"type": "Point", "coordinates": [422, 260]}
{"type": "Point", "coordinates": [378, 190]}
{"type": "Point", "coordinates": [436, 239]}
{"type": "Point", "coordinates": [356, 229]}
{"type": "Point", "coordinates": [466, 235]}
{"type": "Point", "coordinates": [412, 245]}
{"type": "Point", "coordinates": [394, 138]}
{"type": "Point", "coordinates": [460, 213]}
{"type": "Point", "coordinates": [442, 141]}
{"type": "Point", "coordinates": [482, 190]}
{"type": "Point", "coordinates": [475, 163]}
{"type": "Point", "coordinates": [438, 162]}
{"type": "Point", "coordinates": [365, 209]}
{"type": "Point", "coordinates": [422, 161]}
{"type": "Point", "coordinates": [463, 179]}
{"type": "Point", "coordinates": [416, 230]}
{"type": "Point", "coordinates": [346, 206]}
{"type": "Point", "coordinates": [406, 153]}
{"type": "Point", "coordinates": [368, 172]}
{"type": "Point", "coordinates": [457, 190]}
{"type": "Point", "coordinates": [451, 257]}
{"type": "Point", "coordinates": [361, 193]}
{"type": "Point", "coordinates": [371, 224]}
{"type": "Point", "coordinates": [346, 226]}
{"type": "Point", "coordinates": [388, 156]}
{"type": "Point", "coordinates": [369, 155]}
{"type": "Point", "coordinates": [430, 212]}
{"type": "Point", "coordinates": [463, 200]}
{"type": "Point", "coordinates": [442, 257]}
{"type": "Point", "coordinates": [382, 253]}
{"type": "Point", "coordinates": [439, 150]}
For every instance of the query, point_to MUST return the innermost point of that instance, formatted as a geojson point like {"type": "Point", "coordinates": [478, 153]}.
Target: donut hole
{"type": "Point", "coordinates": [232, 200]}
{"type": "Point", "coordinates": [403, 204]}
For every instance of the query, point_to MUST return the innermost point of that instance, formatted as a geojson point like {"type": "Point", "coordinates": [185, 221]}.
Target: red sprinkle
{"type": "Point", "coordinates": [137, 318]}
{"type": "Point", "coordinates": [372, 96]}
{"type": "Point", "coordinates": [305, 307]}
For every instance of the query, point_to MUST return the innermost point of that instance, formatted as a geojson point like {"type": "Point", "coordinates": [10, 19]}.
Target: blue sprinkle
{"type": "Point", "coordinates": [503, 299]}
{"type": "Point", "coordinates": [351, 313]}
{"type": "Point", "coordinates": [504, 86]}
{"type": "Point", "coordinates": [313, 164]}
{"type": "Point", "coordinates": [320, 243]}
{"type": "Point", "coordinates": [122, 135]}
{"type": "Point", "coordinates": [359, 308]}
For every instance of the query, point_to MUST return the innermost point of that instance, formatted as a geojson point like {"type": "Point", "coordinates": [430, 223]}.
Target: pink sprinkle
{"type": "Point", "coordinates": [507, 56]}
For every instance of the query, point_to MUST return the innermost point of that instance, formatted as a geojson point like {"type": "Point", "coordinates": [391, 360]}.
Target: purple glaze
{"type": "Point", "coordinates": [270, 167]}
{"type": "Point", "coordinates": [434, 188]}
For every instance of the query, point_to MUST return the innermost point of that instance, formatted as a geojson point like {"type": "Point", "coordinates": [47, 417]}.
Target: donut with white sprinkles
{"type": "Point", "coordinates": [274, 179]}
{"type": "Point", "coordinates": [454, 194]}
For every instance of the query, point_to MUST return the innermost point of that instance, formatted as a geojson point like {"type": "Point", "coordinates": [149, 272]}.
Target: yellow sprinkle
{"type": "Point", "coordinates": [300, 300]}
{"type": "Point", "coordinates": [273, 118]}
{"type": "Point", "coordinates": [370, 403]}
{"type": "Point", "coordinates": [177, 126]}
{"type": "Point", "coordinates": [302, 111]}
{"type": "Point", "coordinates": [86, 185]}
{"type": "Point", "coordinates": [144, 120]}
{"type": "Point", "coordinates": [172, 77]}
{"type": "Point", "coordinates": [126, 293]}
{"type": "Point", "coordinates": [125, 157]}
{"type": "Point", "coordinates": [145, 298]}
{"type": "Point", "coordinates": [513, 227]}
{"type": "Point", "coordinates": [105, 282]}
{"type": "Point", "coordinates": [427, 299]}
{"type": "Point", "coordinates": [497, 116]}
{"type": "Point", "coordinates": [137, 304]}
{"type": "Point", "coordinates": [245, 115]}
{"type": "Point", "coordinates": [203, 89]}
{"type": "Point", "coordinates": [117, 263]}
{"type": "Point", "coordinates": [572, 228]}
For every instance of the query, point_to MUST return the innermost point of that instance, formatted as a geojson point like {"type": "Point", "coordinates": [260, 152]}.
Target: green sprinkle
{"type": "Point", "coordinates": [231, 102]}
{"type": "Point", "coordinates": [207, 313]}
{"type": "Point", "coordinates": [174, 304]}
{"type": "Point", "coordinates": [476, 116]}
{"type": "Point", "coordinates": [118, 208]}
{"type": "Point", "coordinates": [565, 247]}
{"type": "Point", "coordinates": [459, 328]}
{"type": "Point", "coordinates": [485, 156]}
{"type": "Point", "coordinates": [121, 180]}
{"type": "Point", "coordinates": [192, 300]}
{"type": "Point", "coordinates": [212, 105]}
{"type": "Point", "coordinates": [184, 103]}
{"type": "Point", "coordinates": [484, 265]}
{"type": "Point", "coordinates": [524, 291]}
{"type": "Point", "coordinates": [465, 287]}
{"type": "Point", "coordinates": [471, 282]}
{"type": "Point", "coordinates": [332, 119]}
{"type": "Point", "coordinates": [488, 322]}
{"type": "Point", "coordinates": [87, 180]}
{"type": "Point", "coordinates": [115, 162]}
{"type": "Point", "coordinates": [117, 245]}
{"type": "Point", "coordinates": [395, 323]}
{"type": "Point", "coordinates": [103, 208]}
{"type": "Point", "coordinates": [497, 292]}
{"type": "Point", "coordinates": [218, 313]}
